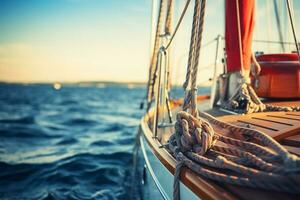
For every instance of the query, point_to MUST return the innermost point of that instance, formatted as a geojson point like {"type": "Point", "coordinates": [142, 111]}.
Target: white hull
{"type": "Point", "coordinates": [161, 176]}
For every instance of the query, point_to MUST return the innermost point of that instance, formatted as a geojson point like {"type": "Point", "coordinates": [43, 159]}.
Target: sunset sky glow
{"type": "Point", "coordinates": [99, 40]}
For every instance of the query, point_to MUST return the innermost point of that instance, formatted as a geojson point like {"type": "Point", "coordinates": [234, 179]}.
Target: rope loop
{"type": "Point", "coordinates": [194, 134]}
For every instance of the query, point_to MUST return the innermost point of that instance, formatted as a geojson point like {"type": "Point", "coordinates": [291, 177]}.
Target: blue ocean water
{"type": "Point", "coordinates": [73, 143]}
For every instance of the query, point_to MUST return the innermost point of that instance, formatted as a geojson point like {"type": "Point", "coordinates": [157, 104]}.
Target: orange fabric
{"type": "Point", "coordinates": [246, 13]}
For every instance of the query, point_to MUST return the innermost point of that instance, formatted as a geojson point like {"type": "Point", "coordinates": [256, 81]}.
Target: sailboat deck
{"type": "Point", "coordinates": [282, 126]}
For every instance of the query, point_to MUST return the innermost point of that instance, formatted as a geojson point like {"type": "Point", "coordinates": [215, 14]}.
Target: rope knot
{"type": "Point", "coordinates": [194, 134]}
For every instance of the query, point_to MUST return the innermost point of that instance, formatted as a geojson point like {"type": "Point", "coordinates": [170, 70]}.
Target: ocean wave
{"type": "Point", "coordinates": [75, 143]}
{"type": "Point", "coordinates": [67, 141]}
{"type": "Point", "coordinates": [114, 127]}
{"type": "Point", "coordinates": [68, 102]}
{"type": "Point", "coordinates": [102, 143]}
{"type": "Point", "coordinates": [79, 122]}
{"type": "Point", "coordinates": [23, 120]}
{"type": "Point", "coordinates": [12, 173]}
{"type": "Point", "coordinates": [126, 140]}
{"type": "Point", "coordinates": [24, 132]}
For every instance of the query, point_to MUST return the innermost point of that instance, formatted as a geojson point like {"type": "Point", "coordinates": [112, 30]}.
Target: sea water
{"type": "Point", "coordinates": [72, 143]}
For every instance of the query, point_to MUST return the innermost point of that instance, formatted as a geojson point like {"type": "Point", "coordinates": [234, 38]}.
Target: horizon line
{"type": "Point", "coordinates": [87, 82]}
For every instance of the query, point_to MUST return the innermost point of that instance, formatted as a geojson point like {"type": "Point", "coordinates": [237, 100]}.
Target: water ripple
{"type": "Point", "coordinates": [75, 143]}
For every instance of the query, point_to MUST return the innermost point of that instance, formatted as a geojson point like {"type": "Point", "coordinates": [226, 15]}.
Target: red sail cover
{"type": "Point", "coordinates": [234, 54]}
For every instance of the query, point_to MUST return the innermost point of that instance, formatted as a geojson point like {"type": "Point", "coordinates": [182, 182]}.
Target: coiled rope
{"type": "Point", "coordinates": [245, 100]}
{"type": "Point", "coordinates": [264, 164]}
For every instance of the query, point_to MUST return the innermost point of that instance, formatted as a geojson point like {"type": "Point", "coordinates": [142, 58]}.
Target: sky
{"type": "Point", "coordinates": [102, 40]}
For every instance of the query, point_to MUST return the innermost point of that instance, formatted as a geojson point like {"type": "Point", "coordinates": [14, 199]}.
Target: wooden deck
{"type": "Point", "coordinates": [283, 126]}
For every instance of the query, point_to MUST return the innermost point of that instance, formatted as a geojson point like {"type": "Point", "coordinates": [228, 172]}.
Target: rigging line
{"type": "Point", "coordinates": [185, 54]}
{"type": "Point", "coordinates": [168, 29]}
{"type": "Point", "coordinates": [179, 22]}
{"type": "Point", "coordinates": [267, 7]}
{"type": "Point", "coordinates": [267, 41]}
{"type": "Point", "coordinates": [152, 39]}
{"type": "Point", "coordinates": [152, 77]}
{"type": "Point", "coordinates": [274, 42]}
{"type": "Point", "coordinates": [239, 35]}
{"type": "Point", "coordinates": [276, 10]}
{"type": "Point", "coordinates": [293, 27]}
{"type": "Point", "coordinates": [209, 42]}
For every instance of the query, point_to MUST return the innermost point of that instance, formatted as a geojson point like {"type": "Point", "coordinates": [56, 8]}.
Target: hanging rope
{"type": "Point", "coordinates": [192, 44]}
{"type": "Point", "coordinates": [190, 85]}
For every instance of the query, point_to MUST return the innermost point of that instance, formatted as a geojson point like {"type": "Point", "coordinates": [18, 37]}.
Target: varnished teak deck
{"type": "Point", "coordinates": [282, 126]}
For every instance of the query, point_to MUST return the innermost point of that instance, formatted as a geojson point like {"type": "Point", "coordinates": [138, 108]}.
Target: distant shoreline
{"type": "Point", "coordinates": [88, 83]}
{"type": "Point", "coordinates": [75, 83]}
